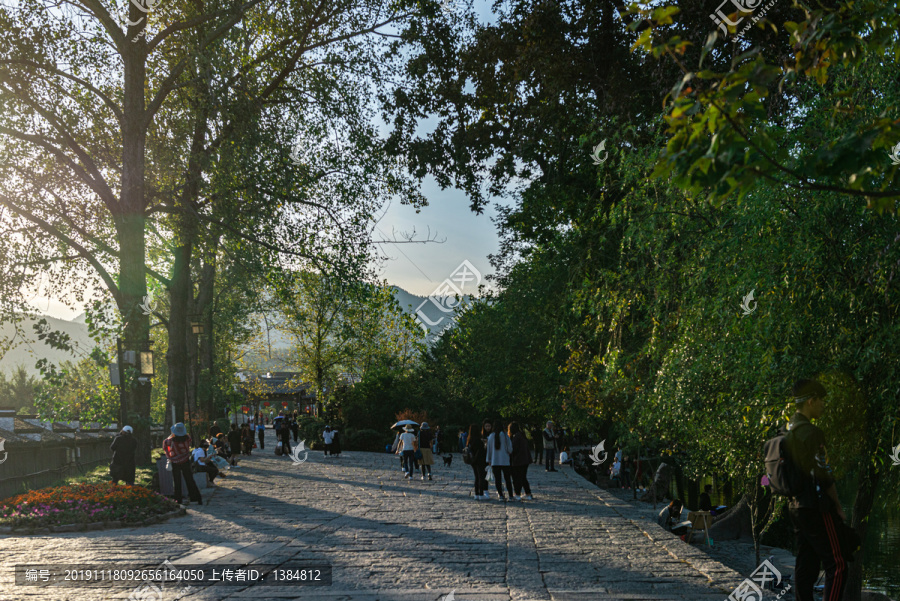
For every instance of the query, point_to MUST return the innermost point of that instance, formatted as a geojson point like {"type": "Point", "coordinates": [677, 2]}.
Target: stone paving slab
{"type": "Point", "coordinates": [389, 539]}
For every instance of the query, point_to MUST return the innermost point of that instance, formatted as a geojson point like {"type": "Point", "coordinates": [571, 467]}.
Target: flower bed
{"type": "Point", "coordinates": [82, 504]}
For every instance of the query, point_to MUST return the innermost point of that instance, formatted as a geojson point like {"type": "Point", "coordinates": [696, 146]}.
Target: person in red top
{"type": "Point", "coordinates": [177, 448]}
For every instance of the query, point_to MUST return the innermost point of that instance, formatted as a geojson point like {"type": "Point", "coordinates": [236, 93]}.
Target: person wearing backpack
{"type": "Point", "coordinates": [814, 507]}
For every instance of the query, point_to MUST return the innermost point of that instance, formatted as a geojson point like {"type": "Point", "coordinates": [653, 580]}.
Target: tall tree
{"type": "Point", "coordinates": [87, 102]}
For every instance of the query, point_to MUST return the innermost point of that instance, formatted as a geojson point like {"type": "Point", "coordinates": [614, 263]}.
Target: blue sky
{"type": "Point", "coordinates": [419, 268]}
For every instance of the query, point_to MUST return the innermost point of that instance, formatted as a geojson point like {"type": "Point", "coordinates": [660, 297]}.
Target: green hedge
{"type": "Point", "coordinates": [368, 440]}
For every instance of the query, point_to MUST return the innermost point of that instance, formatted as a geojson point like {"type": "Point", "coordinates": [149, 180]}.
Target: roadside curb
{"type": "Point", "coordinates": [94, 526]}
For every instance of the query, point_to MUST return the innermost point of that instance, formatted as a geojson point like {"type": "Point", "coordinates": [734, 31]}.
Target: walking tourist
{"type": "Point", "coordinates": [426, 439]}
{"type": "Point", "coordinates": [538, 448]}
{"type": "Point", "coordinates": [177, 448]}
{"type": "Point", "coordinates": [615, 472]}
{"type": "Point", "coordinates": [438, 439]}
{"type": "Point", "coordinates": [816, 512]}
{"type": "Point", "coordinates": [477, 452]}
{"type": "Point", "coordinates": [499, 446]}
{"type": "Point", "coordinates": [519, 460]}
{"type": "Point", "coordinates": [247, 436]}
{"type": "Point", "coordinates": [407, 449]}
{"type": "Point", "coordinates": [328, 436]}
{"type": "Point", "coordinates": [395, 449]}
{"type": "Point", "coordinates": [122, 465]}
{"type": "Point", "coordinates": [550, 437]}
{"type": "Point", "coordinates": [261, 434]}
{"type": "Point", "coordinates": [463, 436]}
{"type": "Point", "coordinates": [295, 426]}
{"type": "Point", "coordinates": [285, 434]}
{"type": "Point", "coordinates": [234, 443]}
{"type": "Point", "coordinates": [203, 463]}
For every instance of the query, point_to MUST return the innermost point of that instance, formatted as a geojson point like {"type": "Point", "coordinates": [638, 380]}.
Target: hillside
{"type": "Point", "coordinates": [28, 350]}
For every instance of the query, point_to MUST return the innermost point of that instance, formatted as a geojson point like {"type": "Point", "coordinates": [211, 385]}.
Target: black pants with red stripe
{"type": "Point", "coordinates": [818, 538]}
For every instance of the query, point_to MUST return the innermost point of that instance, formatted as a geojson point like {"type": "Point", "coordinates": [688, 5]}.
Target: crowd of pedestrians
{"type": "Point", "coordinates": [498, 455]}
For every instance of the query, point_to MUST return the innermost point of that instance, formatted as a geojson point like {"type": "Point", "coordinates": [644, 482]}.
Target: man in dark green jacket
{"type": "Point", "coordinates": [815, 511]}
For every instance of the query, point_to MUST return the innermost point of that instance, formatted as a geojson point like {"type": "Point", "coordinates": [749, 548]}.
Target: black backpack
{"type": "Point", "coordinates": [786, 479]}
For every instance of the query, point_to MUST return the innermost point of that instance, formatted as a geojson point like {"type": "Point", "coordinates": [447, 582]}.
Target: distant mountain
{"type": "Point", "coordinates": [27, 349]}
{"type": "Point", "coordinates": [429, 309]}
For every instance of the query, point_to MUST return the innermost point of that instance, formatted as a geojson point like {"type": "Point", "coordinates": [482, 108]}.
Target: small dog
{"type": "Point", "coordinates": [447, 460]}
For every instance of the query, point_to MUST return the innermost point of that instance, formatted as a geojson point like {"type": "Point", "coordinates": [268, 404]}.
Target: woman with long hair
{"type": "Point", "coordinates": [499, 447]}
{"type": "Point", "coordinates": [519, 460]}
{"type": "Point", "coordinates": [426, 440]}
{"type": "Point", "coordinates": [475, 445]}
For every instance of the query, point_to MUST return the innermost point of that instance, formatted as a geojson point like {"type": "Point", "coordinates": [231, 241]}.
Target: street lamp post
{"type": "Point", "coordinates": [142, 361]}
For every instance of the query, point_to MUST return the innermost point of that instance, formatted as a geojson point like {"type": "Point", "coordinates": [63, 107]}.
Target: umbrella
{"type": "Point", "coordinates": [405, 422]}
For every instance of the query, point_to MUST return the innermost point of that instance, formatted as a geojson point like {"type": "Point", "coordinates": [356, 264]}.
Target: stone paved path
{"type": "Point", "coordinates": [389, 539]}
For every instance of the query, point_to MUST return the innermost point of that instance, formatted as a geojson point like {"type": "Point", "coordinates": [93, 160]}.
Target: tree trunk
{"type": "Point", "coordinates": [129, 223]}
{"type": "Point", "coordinates": [204, 305]}
{"type": "Point", "coordinates": [177, 357]}
{"type": "Point", "coordinates": [132, 289]}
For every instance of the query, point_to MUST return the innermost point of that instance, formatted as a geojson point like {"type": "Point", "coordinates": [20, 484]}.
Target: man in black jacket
{"type": "Point", "coordinates": [122, 465]}
{"type": "Point", "coordinates": [234, 443]}
{"type": "Point", "coordinates": [815, 511]}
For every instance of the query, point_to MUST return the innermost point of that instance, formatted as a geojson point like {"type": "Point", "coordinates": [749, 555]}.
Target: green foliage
{"type": "Point", "coordinates": [370, 440]}
{"type": "Point", "coordinates": [18, 390]}
{"type": "Point", "coordinates": [79, 390]}
{"type": "Point", "coordinates": [311, 429]}
{"type": "Point", "coordinates": [735, 124]}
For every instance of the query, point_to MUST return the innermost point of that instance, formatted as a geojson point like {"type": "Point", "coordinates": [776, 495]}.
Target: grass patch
{"type": "Point", "coordinates": [143, 474]}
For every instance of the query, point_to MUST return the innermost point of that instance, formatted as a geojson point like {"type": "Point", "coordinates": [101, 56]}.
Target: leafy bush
{"type": "Point", "coordinates": [369, 440]}
{"type": "Point", "coordinates": [311, 429]}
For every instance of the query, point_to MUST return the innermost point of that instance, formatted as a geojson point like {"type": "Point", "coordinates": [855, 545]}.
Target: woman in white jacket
{"type": "Point", "coordinates": [499, 448]}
